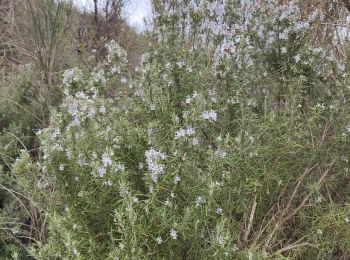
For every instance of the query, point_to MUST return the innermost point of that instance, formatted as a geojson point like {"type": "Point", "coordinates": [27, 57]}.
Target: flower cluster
{"type": "Point", "coordinates": [72, 75]}
{"type": "Point", "coordinates": [183, 132]}
{"type": "Point", "coordinates": [114, 51]}
{"type": "Point", "coordinates": [152, 159]}
{"type": "Point", "coordinates": [210, 115]}
{"type": "Point", "coordinates": [80, 107]}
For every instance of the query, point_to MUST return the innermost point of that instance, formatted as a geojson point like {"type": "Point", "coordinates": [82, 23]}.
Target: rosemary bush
{"type": "Point", "coordinates": [230, 141]}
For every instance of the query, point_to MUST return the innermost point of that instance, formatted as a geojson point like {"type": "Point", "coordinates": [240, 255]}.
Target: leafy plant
{"type": "Point", "coordinates": [229, 141]}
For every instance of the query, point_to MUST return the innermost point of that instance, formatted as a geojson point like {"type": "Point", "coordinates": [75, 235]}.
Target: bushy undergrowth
{"type": "Point", "coordinates": [230, 141]}
{"type": "Point", "coordinates": [20, 114]}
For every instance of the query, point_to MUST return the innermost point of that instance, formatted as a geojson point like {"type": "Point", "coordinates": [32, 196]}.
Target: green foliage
{"type": "Point", "coordinates": [18, 111]}
{"type": "Point", "coordinates": [204, 152]}
{"type": "Point", "coordinates": [187, 163]}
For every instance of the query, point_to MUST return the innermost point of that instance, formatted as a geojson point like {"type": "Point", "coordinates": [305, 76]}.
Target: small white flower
{"type": "Point", "coordinates": [180, 64]}
{"type": "Point", "coordinates": [39, 131]}
{"type": "Point", "coordinates": [283, 50]}
{"type": "Point", "coordinates": [283, 35]}
{"type": "Point", "coordinates": [190, 131]}
{"type": "Point", "coordinates": [220, 153]}
{"type": "Point", "coordinates": [101, 171]}
{"type": "Point", "coordinates": [173, 234]}
{"type": "Point", "coordinates": [219, 211]}
{"type": "Point", "coordinates": [195, 141]}
{"type": "Point", "coordinates": [119, 167]}
{"type": "Point", "coordinates": [210, 115]}
{"type": "Point", "coordinates": [106, 160]}
{"type": "Point", "coordinates": [346, 219]}
{"type": "Point", "coordinates": [180, 133]}
{"type": "Point", "coordinates": [75, 251]}
{"type": "Point", "coordinates": [140, 165]}
{"type": "Point", "coordinates": [152, 107]}
{"type": "Point", "coordinates": [152, 159]}
{"type": "Point", "coordinates": [75, 226]}
{"type": "Point", "coordinates": [102, 109]}
{"type": "Point", "coordinates": [221, 240]}
{"type": "Point", "coordinates": [124, 80]}
{"type": "Point", "coordinates": [61, 167]}
{"type": "Point", "coordinates": [71, 75]}
{"type": "Point", "coordinates": [159, 240]}
{"type": "Point", "coordinates": [69, 154]}
{"type": "Point", "coordinates": [341, 67]}
{"type": "Point", "coordinates": [297, 58]}
{"type": "Point", "coordinates": [172, 194]}
{"type": "Point", "coordinates": [76, 121]}
{"type": "Point", "coordinates": [114, 69]}
{"type": "Point", "coordinates": [198, 201]}
{"type": "Point", "coordinates": [301, 25]}
{"type": "Point", "coordinates": [177, 179]}
{"type": "Point", "coordinates": [56, 132]}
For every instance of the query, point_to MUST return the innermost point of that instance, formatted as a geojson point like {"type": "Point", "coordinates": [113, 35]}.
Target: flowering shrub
{"type": "Point", "coordinates": [230, 141]}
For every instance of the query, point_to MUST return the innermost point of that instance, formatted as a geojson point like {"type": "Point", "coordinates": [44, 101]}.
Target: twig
{"type": "Point", "coordinates": [19, 140]}
{"type": "Point", "coordinates": [283, 219]}
{"type": "Point", "coordinates": [290, 247]}
{"type": "Point", "coordinates": [262, 230]}
{"type": "Point", "coordinates": [302, 204]}
{"type": "Point", "coordinates": [299, 180]}
{"type": "Point", "coordinates": [251, 218]}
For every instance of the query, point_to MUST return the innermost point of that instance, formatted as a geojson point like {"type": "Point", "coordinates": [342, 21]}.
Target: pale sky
{"type": "Point", "coordinates": [135, 12]}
